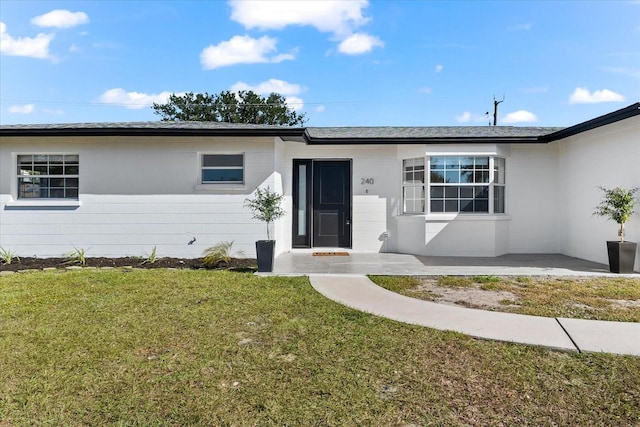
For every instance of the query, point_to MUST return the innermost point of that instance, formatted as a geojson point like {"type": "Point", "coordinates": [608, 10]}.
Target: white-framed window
{"type": "Point", "coordinates": [413, 185]}
{"type": "Point", "coordinates": [454, 184]}
{"type": "Point", "coordinates": [48, 176]}
{"type": "Point", "coordinates": [222, 168]}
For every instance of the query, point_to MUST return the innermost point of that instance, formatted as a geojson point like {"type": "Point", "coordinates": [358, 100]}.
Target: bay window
{"type": "Point", "coordinates": [454, 184]}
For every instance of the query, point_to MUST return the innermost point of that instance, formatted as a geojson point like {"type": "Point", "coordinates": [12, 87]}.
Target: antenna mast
{"type": "Point", "coordinates": [495, 109]}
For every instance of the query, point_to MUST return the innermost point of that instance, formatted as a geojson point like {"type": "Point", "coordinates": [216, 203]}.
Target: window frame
{"type": "Point", "coordinates": [414, 186]}
{"type": "Point", "coordinates": [20, 178]}
{"type": "Point", "coordinates": [202, 168]}
{"type": "Point", "coordinates": [495, 206]}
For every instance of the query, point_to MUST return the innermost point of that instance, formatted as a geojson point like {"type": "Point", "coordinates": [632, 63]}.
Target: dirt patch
{"type": "Point", "coordinates": [31, 263]}
{"type": "Point", "coordinates": [471, 296]}
{"type": "Point", "coordinates": [623, 303]}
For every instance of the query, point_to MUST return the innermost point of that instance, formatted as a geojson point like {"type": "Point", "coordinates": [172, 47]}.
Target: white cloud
{"type": "Point", "coordinates": [286, 89]}
{"type": "Point", "coordinates": [33, 47]}
{"type": "Point", "coordinates": [520, 116]}
{"type": "Point", "coordinates": [269, 86]}
{"type": "Point", "coordinates": [241, 50]}
{"type": "Point", "coordinates": [60, 19]}
{"type": "Point", "coordinates": [132, 100]}
{"type": "Point", "coordinates": [320, 109]}
{"type": "Point", "coordinates": [295, 103]}
{"type": "Point", "coordinates": [582, 96]}
{"type": "Point", "coordinates": [425, 90]}
{"type": "Point", "coordinates": [22, 109]}
{"type": "Point", "coordinates": [467, 117]}
{"type": "Point", "coordinates": [438, 68]}
{"type": "Point", "coordinates": [338, 17]}
{"type": "Point", "coordinates": [359, 43]}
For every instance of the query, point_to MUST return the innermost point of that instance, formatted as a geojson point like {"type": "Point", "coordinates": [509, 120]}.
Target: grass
{"type": "Point", "coordinates": [600, 298]}
{"type": "Point", "coordinates": [161, 347]}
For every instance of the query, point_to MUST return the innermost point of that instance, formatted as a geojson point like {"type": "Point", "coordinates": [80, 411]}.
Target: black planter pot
{"type": "Point", "coordinates": [265, 250]}
{"type": "Point", "coordinates": [622, 256]}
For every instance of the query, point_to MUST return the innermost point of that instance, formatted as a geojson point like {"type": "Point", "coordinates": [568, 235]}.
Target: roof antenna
{"type": "Point", "coordinates": [495, 109]}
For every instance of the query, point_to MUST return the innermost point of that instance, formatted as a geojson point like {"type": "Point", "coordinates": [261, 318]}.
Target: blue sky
{"type": "Point", "coordinates": [343, 63]}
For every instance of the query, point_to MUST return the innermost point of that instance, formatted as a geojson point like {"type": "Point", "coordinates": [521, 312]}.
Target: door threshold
{"type": "Point", "coordinates": [313, 250]}
{"type": "Point", "coordinates": [330, 253]}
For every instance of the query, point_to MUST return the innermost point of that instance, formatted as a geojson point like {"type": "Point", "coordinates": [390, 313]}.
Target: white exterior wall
{"type": "Point", "coordinates": [136, 195]}
{"type": "Point", "coordinates": [608, 157]}
{"type": "Point", "coordinates": [373, 206]}
{"type": "Point", "coordinates": [532, 198]}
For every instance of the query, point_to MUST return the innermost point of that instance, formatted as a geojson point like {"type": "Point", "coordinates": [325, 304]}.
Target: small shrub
{"type": "Point", "coordinates": [617, 205]}
{"type": "Point", "coordinates": [76, 256]}
{"type": "Point", "coordinates": [220, 254]}
{"type": "Point", "coordinates": [7, 256]}
{"type": "Point", "coordinates": [152, 257]}
{"type": "Point", "coordinates": [489, 287]}
{"type": "Point", "coordinates": [266, 206]}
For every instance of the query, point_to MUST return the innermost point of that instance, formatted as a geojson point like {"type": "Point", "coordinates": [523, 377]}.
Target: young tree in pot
{"type": "Point", "coordinates": [617, 204]}
{"type": "Point", "coordinates": [266, 207]}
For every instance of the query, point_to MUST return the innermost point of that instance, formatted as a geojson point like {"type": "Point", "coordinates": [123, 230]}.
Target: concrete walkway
{"type": "Point", "coordinates": [358, 292]}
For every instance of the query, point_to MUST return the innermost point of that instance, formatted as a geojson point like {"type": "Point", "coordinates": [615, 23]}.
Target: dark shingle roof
{"type": "Point", "coordinates": [327, 135]}
{"type": "Point", "coordinates": [434, 132]}
{"type": "Point", "coordinates": [149, 128]}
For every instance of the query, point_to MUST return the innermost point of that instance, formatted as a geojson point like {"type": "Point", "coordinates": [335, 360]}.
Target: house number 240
{"type": "Point", "coordinates": [366, 181]}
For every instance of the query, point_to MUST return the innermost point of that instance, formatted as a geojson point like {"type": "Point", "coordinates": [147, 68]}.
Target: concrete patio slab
{"type": "Point", "coordinates": [602, 336]}
{"type": "Point", "coordinates": [360, 293]}
{"type": "Point", "coordinates": [303, 263]}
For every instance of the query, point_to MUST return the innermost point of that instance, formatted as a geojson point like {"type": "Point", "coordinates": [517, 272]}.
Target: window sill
{"type": "Point", "coordinates": [43, 203]}
{"type": "Point", "coordinates": [459, 217]}
{"type": "Point", "coordinates": [220, 187]}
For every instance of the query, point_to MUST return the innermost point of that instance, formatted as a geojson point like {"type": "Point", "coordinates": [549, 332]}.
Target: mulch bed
{"type": "Point", "coordinates": [30, 263]}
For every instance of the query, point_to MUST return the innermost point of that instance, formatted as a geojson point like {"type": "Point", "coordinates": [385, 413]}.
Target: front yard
{"type": "Point", "coordinates": [595, 298]}
{"type": "Point", "coordinates": [163, 347]}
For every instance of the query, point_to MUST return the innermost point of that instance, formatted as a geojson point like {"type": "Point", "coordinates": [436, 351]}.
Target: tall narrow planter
{"type": "Point", "coordinates": [622, 256]}
{"type": "Point", "coordinates": [265, 250]}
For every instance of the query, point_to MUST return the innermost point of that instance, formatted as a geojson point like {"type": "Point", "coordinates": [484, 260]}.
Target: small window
{"type": "Point", "coordinates": [222, 168]}
{"type": "Point", "coordinates": [48, 176]}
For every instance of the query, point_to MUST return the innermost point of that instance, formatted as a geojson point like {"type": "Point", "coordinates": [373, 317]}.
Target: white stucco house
{"type": "Point", "coordinates": [119, 189]}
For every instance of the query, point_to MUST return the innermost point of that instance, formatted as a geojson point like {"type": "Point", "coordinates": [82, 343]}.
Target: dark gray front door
{"type": "Point", "coordinates": [322, 203]}
{"type": "Point", "coordinates": [332, 203]}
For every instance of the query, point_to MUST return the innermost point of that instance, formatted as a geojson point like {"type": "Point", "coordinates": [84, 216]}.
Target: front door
{"type": "Point", "coordinates": [322, 203]}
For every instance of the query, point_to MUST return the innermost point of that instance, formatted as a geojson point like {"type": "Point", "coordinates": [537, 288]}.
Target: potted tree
{"type": "Point", "coordinates": [266, 207]}
{"type": "Point", "coordinates": [617, 204]}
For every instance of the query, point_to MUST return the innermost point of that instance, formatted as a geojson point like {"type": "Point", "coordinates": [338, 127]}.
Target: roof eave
{"type": "Point", "coordinates": [615, 116]}
{"type": "Point", "coordinates": [152, 132]}
{"type": "Point", "coordinates": [421, 141]}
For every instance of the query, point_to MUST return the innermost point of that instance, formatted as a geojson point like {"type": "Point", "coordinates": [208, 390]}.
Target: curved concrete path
{"type": "Point", "coordinates": [357, 291]}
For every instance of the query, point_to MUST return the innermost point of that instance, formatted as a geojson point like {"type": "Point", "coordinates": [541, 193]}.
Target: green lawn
{"type": "Point", "coordinates": [596, 298]}
{"type": "Point", "coordinates": [159, 347]}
